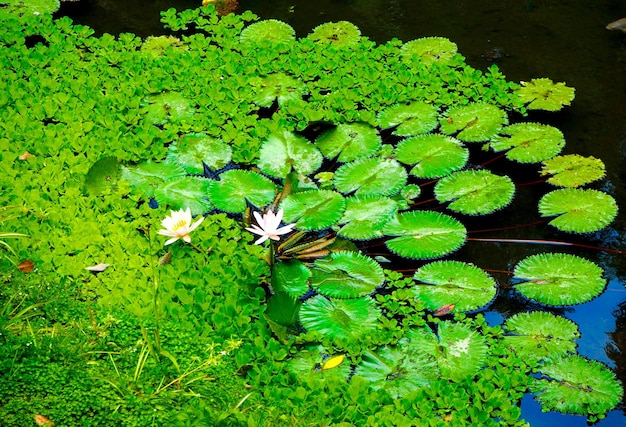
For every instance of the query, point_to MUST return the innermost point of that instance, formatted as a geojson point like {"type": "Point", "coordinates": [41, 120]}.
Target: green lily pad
{"type": "Point", "coordinates": [429, 50]}
{"type": "Point", "coordinates": [346, 319]}
{"type": "Point", "coordinates": [192, 150]}
{"type": "Point", "coordinates": [346, 275]}
{"type": "Point", "coordinates": [313, 209]}
{"type": "Point", "coordinates": [573, 170]}
{"type": "Point", "coordinates": [458, 351]}
{"type": "Point", "coordinates": [575, 385]}
{"type": "Point", "coordinates": [348, 142]}
{"type": "Point", "coordinates": [529, 142]}
{"type": "Point", "coordinates": [454, 282]}
{"type": "Point", "coordinates": [235, 186]}
{"type": "Point", "coordinates": [474, 122]}
{"type": "Point", "coordinates": [558, 279]}
{"type": "Point", "coordinates": [475, 192]}
{"type": "Point", "coordinates": [578, 210]}
{"type": "Point", "coordinates": [365, 217]}
{"type": "Point", "coordinates": [167, 106]}
{"type": "Point", "coordinates": [267, 30]}
{"type": "Point", "coordinates": [146, 177]}
{"type": "Point", "coordinates": [544, 94]}
{"type": "Point", "coordinates": [277, 86]}
{"type": "Point", "coordinates": [185, 192]}
{"type": "Point", "coordinates": [371, 177]}
{"type": "Point", "coordinates": [424, 234]}
{"type": "Point", "coordinates": [102, 174]}
{"type": "Point", "coordinates": [397, 371]}
{"type": "Point", "coordinates": [338, 34]}
{"type": "Point", "coordinates": [282, 152]}
{"type": "Point", "coordinates": [410, 119]}
{"type": "Point", "coordinates": [540, 335]}
{"type": "Point", "coordinates": [291, 277]}
{"type": "Point", "coordinates": [309, 363]}
{"type": "Point", "coordinates": [157, 45]}
{"type": "Point", "coordinates": [432, 155]}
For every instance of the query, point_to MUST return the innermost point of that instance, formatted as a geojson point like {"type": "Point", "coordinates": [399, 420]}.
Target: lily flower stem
{"type": "Point", "coordinates": [193, 245]}
{"type": "Point", "coordinates": [547, 242]}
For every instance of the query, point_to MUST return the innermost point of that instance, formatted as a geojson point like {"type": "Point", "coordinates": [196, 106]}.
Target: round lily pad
{"type": "Point", "coordinates": [578, 210]}
{"type": "Point", "coordinates": [365, 217]}
{"type": "Point", "coordinates": [167, 106]}
{"type": "Point", "coordinates": [193, 150]}
{"type": "Point", "coordinates": [429, 49]}
{"type": "Point", "coordinates": [529, 142]}
{"type": "Point", "coordinates": [282, 152]}
{"type": "Point", "coordinates": [349, 141]}
{"type": "Point", "coordinates": [544, 94]}
{"type": "Point", "coordinates": [346, 275]}
{"type": "Point", "coordinates": [475, 192]}
{"type": "Point", "coordinates": [558, 279]}
{"type": "Point", "coordinates": [185, 192]}
{"type": "Point", "coordinates": [424, 234]}
{"type": "Point", "coordinates": [236, 186]}
{"type": "Point", "coordinates": [453, 282]}
{"type": "Point", "coordinates": [474, 122]}
{"type": "Point", "coordinates": [267, 30]}
{"type": "Point", "coordinates": [432, 155]}
{"type": "Point", "coordinates": [342, 33]}
{"type": "Point", "coordinates": [371, 177]}
{"type": "Point", "coordinates": [277, 86]}
{"type": "Point", "coordinates": [411, 119]}
{"type": "Point", "coordinates": [573, 170]}
{"type": "Point", "coordinates": [313, 209]}
{"type": "Point", "coordinates": [291, 277]}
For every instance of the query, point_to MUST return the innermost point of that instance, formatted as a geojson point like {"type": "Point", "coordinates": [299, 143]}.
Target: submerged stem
{"type": "Point", "coordinates": [546, 242]}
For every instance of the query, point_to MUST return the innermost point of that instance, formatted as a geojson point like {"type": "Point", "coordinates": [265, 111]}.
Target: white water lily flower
{"type": "Point", "coordinates": [178, 226]}
{"type": "Point", "coordinates": [267, 226]}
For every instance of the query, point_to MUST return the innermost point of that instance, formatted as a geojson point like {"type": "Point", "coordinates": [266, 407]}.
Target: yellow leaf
{"type": "Point", "coordinates": [43, 420]}
{"type": "Point", "coordinates": [333, 362]}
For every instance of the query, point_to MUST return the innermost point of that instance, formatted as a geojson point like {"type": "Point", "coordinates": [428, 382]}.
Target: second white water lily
{"type": "Point", "coordinates": [268, 226]}
{"type": "Point", "coordinates": [178, 226]}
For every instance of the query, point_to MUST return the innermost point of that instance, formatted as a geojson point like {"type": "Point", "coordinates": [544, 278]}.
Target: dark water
{"type": "Point", "coordinates": [563, 40]}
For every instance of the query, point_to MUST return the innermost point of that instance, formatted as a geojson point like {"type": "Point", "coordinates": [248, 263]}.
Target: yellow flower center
{"type": "Point", "coordinates": [179, 224]}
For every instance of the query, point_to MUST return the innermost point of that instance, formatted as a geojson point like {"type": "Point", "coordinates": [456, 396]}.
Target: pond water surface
{"type": "Point", "coordinates": [563, 40]}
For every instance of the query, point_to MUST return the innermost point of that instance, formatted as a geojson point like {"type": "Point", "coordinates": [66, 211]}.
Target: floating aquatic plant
{"type": "Point", "coordinates": [342, 33]}
{"type": "Point", "coordinates": [192, 151]}
{"type": "Point", "coordinates": [285, 151]}
{"type": "Point", "coordinates": [573, 170]}
{"type": "Point", "coordinates": [310, 363]}
{"type": "Point", "coordinates": [474, 122]}
{"type": "Point", "coordinates": [529, 142]}
{"type": "Point", "coordinates": [167, 106]}
{"type": "Point", "coordinates": [346, 319]}
{"type": "Point", "coordinates": [575, 385]}
{"type": "Point", "coordinates": [314, 209]}
{"type": "Point", "coordinates": [453, 282]}
{"type": "Point", "coordinates": [475, 192]}
{"type": "Point", "coordinates": [291, 277]}
{"type": "Point", "coordinates": [22, 7]}
{"type": "Point", "coordinates": [409, 119]}
{"type": "Point", "coordinates": [365, 217]}
{"type": "Point", "coordinates": [370, 177]}
{"type": "Point", "coordinates": [578, 210]}
{"type": "Point", "coordinates": [429, 50]}
{"type": "Point", "coordinates": [234, 187]}
{"type": "Point", "coordinates": [346, 275]}
{"type": "Point", "coordinates": [544, 94]}
{"type": "Point", "coordinates": [146, 177]}
{"type": "Point", "coordinates": [558, 279]}
{"type": "Point", "coordinates": [424, 234]}
{"type": "Point", "coordinates": [270, 30]}
{"type": "Point", "coordinates": [186, 191]}
{"type": "Point", "coordinates": [102, 175]}
{"type": "Point", "coordinates": [432, 155]}
{"type": "Point", "coordinates": [348, 142]}
{"type": "Point", "coordinates": [278, 87]}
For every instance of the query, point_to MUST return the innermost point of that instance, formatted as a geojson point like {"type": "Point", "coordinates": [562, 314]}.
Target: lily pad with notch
{"type": "Point", "coordinates": [371, 177]}
{"type": "Point", "coordinates": [166, 106]}
{"type": "Point", "coordinates": [529, 142]}
{"type": "Point", "coordinates": [573, 170]}
{"type": "Point", "coordinates": [235, 186]}
{"type": "Point", "coordinates": [281, 314]}
{"type": "Point", "coordinates": [474, 122]}
{"type": "Point", "coordinates": [540, 335]}
{"type": "Point", "coordinates": [313, 209]}
{"type": "Point", "coordinates": [277, 87]}
{"type": "Point", "coordinates": [578, 210]}
{"type": "Point", "coordinates": [349, 141]}
{"type": "Point", "coordinates": [185, 192]}
{"type": "Point", "coordinates": [429, 50]}
{"type": "Point", "coordinates": [475, 192]}
{"type": "Point", "coordinates": [424, 234]}
{"type": "Point", "coordinates": [573, 384]}
{"type": "Point", "coordinates": [409, 119]}
{"type": "Point", "coordinates": [285, 151]}
{"type": "Point", "coordinates": [102, 175]}
{"type": "Point", "coordinates": [291, 277]}
{"type": "Point", "coordinates": [339, 34]}
{"type": "Point", "coordinates": [192, 150]}
{"type": "Point", "coordinates": [365, 217]}
{"type": "Point", "coordinates": [432, 155]}
{"type": "Point", "coordinates": [346, 319]}
{"type": "Point", "coordinates": [346, 275]}
{"type": "Point", "coordinates": [453, 282]}
{"type": "Point", "coordinates": [147, 176]}
{"type": "Point", "coordinates": [544, 94]}
{"type": "Point", "coordinates": [310, 362]}
{"type": "Point", "coordinates": [558, 279]}
{"type": "Point", "coordinates": [271, 30]}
